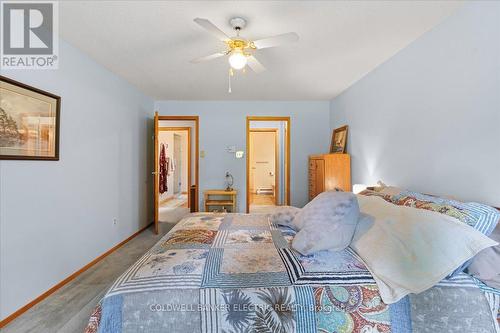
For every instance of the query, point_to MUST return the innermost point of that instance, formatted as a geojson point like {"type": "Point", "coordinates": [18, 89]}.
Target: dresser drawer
{"type": "Point", "coordinates": [327, 172]}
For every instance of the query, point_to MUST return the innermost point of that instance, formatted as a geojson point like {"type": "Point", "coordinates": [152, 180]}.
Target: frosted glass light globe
{"type": "Point", "coordinates": [237, 60]}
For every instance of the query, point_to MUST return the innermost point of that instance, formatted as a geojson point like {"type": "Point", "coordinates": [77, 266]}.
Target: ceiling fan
{"type": "Point", "coordinates": [240, 50]}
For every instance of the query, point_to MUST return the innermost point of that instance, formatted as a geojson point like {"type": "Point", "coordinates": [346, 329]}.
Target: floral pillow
{"type": "Point", "coordinates": [385, 196]}
{"type": "Point", "coordinates": [481, 217]}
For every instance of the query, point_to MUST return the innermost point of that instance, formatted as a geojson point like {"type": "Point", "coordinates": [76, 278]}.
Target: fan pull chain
{"type": "Point", "coordinates": [231, 73]}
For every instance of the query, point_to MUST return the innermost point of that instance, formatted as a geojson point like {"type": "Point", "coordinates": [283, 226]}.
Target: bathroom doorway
{"type": "Point", "coordinates": [268, 153]}
{"type": "Point", "coordinates": [264, 166]}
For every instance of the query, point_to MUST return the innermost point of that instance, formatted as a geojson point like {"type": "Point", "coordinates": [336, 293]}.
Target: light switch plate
{"type": "Point", "coordinates": [239, 154]}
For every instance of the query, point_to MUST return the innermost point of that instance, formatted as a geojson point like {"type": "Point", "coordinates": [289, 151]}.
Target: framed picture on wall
{"type": "Point", "coordinates": [339, 140]}
{"type": "Point", "coordinates": [29, 122]}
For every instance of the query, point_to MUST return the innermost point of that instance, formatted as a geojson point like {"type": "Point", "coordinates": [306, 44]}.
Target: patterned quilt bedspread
{"type": "Point", "coordinates": [237, 273]}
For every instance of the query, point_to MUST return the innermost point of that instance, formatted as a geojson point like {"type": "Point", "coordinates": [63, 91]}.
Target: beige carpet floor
{"type": "Point", "coordinates": [69, 308]}
{"type": "Point", "coordinates": [173, 210]}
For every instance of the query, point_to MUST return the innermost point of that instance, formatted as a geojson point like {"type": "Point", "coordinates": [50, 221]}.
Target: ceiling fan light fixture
{"type": "Point", "coordinates": [237, 60]}
{"type": "Point", "coordinates": [240, 51]}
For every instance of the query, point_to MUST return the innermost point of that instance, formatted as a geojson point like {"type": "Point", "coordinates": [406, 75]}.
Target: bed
{"type": "Point", "coordinates": [238, 273]}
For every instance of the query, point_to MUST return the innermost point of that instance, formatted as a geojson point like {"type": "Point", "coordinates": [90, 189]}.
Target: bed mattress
{"type": "Point", "coordinates": [238, 273]}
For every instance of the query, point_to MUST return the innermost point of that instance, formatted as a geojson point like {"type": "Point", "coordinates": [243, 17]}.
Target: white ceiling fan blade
{"type": "Point", "coordinates": [212, 28]}
{"type": "Point", "coordinates": [276, 40]}
{"type": "Point", "coordinates": [255, 65]}
{"type": "Point", "coordinates": [208, 57]}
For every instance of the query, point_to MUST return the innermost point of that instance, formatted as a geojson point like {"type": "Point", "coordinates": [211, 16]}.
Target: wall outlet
{"type": "Point", "coordinates": [115, 221]}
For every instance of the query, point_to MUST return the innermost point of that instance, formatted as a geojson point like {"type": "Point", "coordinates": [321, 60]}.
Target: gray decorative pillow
{"type": "Point", "coordinates": [328, 222]}
{"type": "Point", "coordinates": [486, 264]}
{"type": "Point", "coordinates": [284, 215]}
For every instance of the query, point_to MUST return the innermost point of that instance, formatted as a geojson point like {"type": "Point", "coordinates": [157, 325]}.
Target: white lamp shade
{"type": "Point", "coordinates": [237, 60]}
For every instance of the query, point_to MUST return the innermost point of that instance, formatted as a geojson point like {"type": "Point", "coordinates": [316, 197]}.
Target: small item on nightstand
{"type": "Point", "coordinates": [229, 181]}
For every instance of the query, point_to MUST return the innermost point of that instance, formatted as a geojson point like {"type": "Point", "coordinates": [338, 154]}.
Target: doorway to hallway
{"type": "Point", "coordinates": [176, 167]}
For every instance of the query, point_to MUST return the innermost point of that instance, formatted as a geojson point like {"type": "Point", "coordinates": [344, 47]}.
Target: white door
{"type": "Point", "coordinates": [177, 163]}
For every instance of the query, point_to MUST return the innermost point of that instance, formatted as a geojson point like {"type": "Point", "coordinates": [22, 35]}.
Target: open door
{"type": "Point", "coordinates": [156, 175]}
{"type": "Point", "coordinates": [170, 204]}
{"type": "Point", "coordinates": [177, 139]}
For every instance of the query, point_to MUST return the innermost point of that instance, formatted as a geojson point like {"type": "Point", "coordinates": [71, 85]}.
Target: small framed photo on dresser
{"type": "Point", "coordinates": [29, 122]}
{"type": "Point", "coordinates": [339, 140]}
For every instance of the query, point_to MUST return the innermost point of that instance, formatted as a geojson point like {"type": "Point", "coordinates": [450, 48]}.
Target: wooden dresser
{"type": "Point", "coordinates": [329, 171]}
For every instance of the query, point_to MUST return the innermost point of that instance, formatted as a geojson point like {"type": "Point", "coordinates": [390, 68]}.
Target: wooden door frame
{"type": "Point", "coordinates": [190, 167]}
{"type": "Point", "coordinates": [287, 155]}
{"type": "Point", "coordinates": [196, 120]}
{"type": "Point", "coordinates": [276, 157]}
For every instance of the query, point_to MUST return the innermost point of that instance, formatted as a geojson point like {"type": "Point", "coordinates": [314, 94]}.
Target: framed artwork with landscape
{"type": "Point", "coordinates": [339, 140]}
{"type": "Point", "coordinates": [29, 122]}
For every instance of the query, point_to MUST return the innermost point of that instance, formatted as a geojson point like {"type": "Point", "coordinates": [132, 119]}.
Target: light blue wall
{"type": "Point", "coordinates": [223, 123]}
{"type": "Point", "coordinates": [429, 118]}
{"type": "Point", "coordinates": [55, 217]}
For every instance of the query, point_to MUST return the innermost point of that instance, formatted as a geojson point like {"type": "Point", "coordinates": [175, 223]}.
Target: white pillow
{"type": "Point", "coordinates": [284, 215]}
{"type": "Point", "coordinates": [327, 222]}
{"type": "Point", "coordinates": [409, 250]}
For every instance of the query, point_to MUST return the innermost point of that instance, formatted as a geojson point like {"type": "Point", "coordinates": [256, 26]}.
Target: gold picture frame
{"type": "Point", "coordinates": [339, 140]}
{"type": "Point", "coordinates": [29, 122]}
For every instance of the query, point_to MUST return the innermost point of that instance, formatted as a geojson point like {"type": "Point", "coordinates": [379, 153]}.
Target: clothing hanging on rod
{"type": "Point", "coordinates": [163, 170]}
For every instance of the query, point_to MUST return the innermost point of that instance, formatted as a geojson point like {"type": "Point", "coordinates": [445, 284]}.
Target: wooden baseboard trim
{"type": "Point", "coordinates": [40, 298]}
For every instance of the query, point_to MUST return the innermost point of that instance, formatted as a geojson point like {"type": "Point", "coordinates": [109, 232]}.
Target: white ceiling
{"type": "Point", "coordinates": [150, 43]}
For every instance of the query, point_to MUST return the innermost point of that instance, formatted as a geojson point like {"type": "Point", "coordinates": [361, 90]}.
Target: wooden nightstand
{"type": "Point", "coordinates": [229, 199]}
